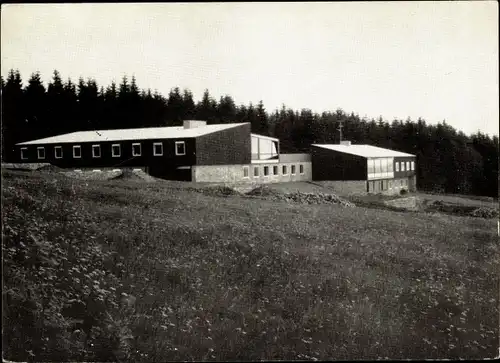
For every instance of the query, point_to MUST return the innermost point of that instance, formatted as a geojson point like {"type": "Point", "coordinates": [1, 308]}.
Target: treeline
{"type": "Point", "coordinates": [448, 160]}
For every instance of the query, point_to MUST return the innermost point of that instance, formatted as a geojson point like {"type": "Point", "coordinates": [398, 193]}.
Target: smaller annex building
{"type": "Point", "coordinates": [364, 167]}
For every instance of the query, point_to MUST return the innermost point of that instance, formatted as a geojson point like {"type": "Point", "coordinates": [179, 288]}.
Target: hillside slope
{"type": "Point", "coordinates": [109, 270]}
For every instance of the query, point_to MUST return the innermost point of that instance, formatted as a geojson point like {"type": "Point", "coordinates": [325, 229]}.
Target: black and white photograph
{"type": "Point", "coordinates": [250, 181]}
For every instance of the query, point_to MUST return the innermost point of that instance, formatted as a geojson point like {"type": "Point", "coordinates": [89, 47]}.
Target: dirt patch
{"type": "Point", "coordinates": [410, 203]}
{"type": "Point", "coordinates": [461, 210]}
{"type": "Point", "coordinates": [216, 191]}
{"type": "Point", "coordinates": [25, 166]}
{"type": "Point", "coordinates": [92, 175]}
{"type": "Point", "coordinates": [299, 197]}
{"type": "Point", "coordinates": [134, 175]}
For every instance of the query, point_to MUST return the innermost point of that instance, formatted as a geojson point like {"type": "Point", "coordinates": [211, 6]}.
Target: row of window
{"type": "Point", "coordinates": [405, 166]}
{"type": "Point", "coordinates": [116, 150]}
{"type": "Point", "coordinates": [274, 170]}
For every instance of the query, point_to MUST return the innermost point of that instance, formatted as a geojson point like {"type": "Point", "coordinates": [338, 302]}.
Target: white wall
{"type": "Point", "coordinates": [235, 173]}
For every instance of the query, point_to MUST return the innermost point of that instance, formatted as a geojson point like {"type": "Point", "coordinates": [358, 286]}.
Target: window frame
{"type": "Point", "coordinates": [79, 148]}
{"type": "Point", "coordinates": [408, 166]}
{"type": "Point", "coordinates": [155, 144]}
{"type": "Point", "coordinates": [177, 143]}
{"type": "Point", "coordinates": [255, 171]}
{"type": "Point", "coordinates": [55, 152]}
{"type": "Point", "coordinates": [265, 170]}
{"type": "Point", "coordinates": [293, 169]}
{"type": "Point", "coordinates": [397, 167]}
{"type": "Point", "coordinates": [140, 149]}
{"type": "Point", "coordinates": [24, 157]}
{"type": "Point", "coordinates": [247, 170]}
{"type": "Point", "coordinates": [119, 151]}
{"type": "Point", "coordinates": [38, 149]}
{"type": "Point", "coordinates": [403, 166]}
{"type": "Point", "coordinates": [98, 147]}
{"type": "Point", "coordinates": [412, 164]}
{"type": "Point", "coordinates": [284, 170]}
{"type": "Point", "coordinates": [301, 169]}
{"type": "Point", "coordinates": [275, 170]}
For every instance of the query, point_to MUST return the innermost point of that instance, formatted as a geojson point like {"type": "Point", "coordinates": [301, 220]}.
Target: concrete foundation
{"type": "Point", "coordinates": [260, 173]}
{"type": "Point", "coordinates": [391, 186]}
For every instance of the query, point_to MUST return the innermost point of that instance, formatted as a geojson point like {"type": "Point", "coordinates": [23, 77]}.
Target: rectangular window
{"type": "Point", "coordinates": [275, 170]}
{"type": "Point", "coordinates": [136, 149]}
{"type": "Point", "coordinates": [407, 165]}
{"type": "Point", "coordinates": [301, 169]}
{"type": "Point", "coordinates": [266, 170]}
{"type": "Point", "coordinates": [96, 151]}
{"type": "Point", "coordinates": [371, 166]}
{"type": "Point", "coordinates": [180, 148]}
{"type": "Point", "coordinates": [256, 171]}
{"type": "Point", "coordinates": [158, 149]}
{"type": "Point", "coordinates": [285, 171]}
{"type": "Point", "coordinates": [397, 166]}
{"type": "Point", "coordinates": [24, 153]}
{"type": "Point", "coordinates": [116, 151]}
{"type": "Point", "coordinates": [383, 166]}
{"type": "Point", "coordinates": [412, 165]}
{"type": "Point", "coordinates": [245, 172]}
{"type": "Point", "coordinates": [58, 152]}
{"type": "Point", "coordinates": [402, 166]}
{"type": "Point", "coordinates": [77, 151]}
{"type": "Point", "coordinates": [40, 152]}
{"type": "Point", "coordinates": [293, 169]}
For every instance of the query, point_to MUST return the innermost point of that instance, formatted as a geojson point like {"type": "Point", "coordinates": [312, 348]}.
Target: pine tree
{"type": "Point", "coordinates": [206, 109]}
{"type": "Point", "coordinates": [70, 108]}
{"type": "Point", "coordinates": [262, 122]}
{"type": "Point", "coordinates": [175, 105]}
{"type": "Point", "coordinates": [189, 108]}
{"type": "Point", "coordinates": [55, 105]}
{"type": "Point", "coordinates": [13, 117]}
{"type": "Point", "coordinates": [34, 104]}
{"type": "Point", "coordinates": [226, 110]}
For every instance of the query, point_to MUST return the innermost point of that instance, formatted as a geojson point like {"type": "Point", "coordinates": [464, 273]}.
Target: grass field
{"type": "Point", "coordinates": [133, 271]}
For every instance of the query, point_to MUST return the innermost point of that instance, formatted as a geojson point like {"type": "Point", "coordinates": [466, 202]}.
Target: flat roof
{"type": "Point", "coordinates": [366, 151]}
{"type": "Point", "coordinates": [264, 137]}
{"type": "Point", "coordinates": [146, 133]}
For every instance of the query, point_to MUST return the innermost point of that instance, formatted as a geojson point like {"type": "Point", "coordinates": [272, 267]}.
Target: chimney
{"type": "Point", "coordinates": [346, 143]}
{"type": "Point", "coordinates": [191, 124]}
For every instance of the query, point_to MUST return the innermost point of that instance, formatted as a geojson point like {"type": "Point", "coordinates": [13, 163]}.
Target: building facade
{"type": "Point", "coordinates": [225, 153]}
{"type": "Point", "coordinates": [370, 168]}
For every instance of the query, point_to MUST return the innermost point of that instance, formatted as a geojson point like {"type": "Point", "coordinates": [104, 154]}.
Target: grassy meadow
{"type": "Point", "coordinates": [133, 271]}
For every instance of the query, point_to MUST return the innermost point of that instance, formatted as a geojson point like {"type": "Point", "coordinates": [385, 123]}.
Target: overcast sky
{"type": "Point", "coordinates": [437, 60]}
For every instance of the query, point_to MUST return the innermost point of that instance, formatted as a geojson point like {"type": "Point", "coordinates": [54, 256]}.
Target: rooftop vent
{"type": "Point", "coordinates": [346, 143]}
{"type": "Point", "coordinates": [191, 124]}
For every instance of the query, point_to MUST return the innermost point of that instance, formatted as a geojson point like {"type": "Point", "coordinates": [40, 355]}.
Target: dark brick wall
{"type": "Point", "coordinates": [333, 165]}
{"type": "Point", "coordinates": [169, 159]}
{"type": "Point", "coordinates": [231, 146]}
{"type": "Point", "coordinates": [404, 174]}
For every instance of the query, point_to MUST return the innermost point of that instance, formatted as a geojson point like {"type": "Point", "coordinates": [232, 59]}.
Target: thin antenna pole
{"type": "Point", "coordinates": [340, 130]}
